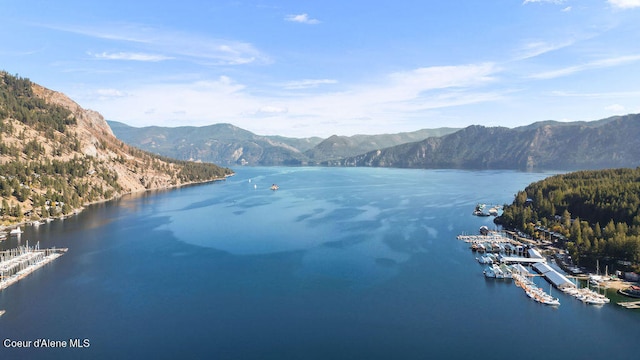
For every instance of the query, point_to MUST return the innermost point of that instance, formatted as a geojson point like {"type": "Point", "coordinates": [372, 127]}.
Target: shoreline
{"type": "Point", "coordinates": [76, 211]}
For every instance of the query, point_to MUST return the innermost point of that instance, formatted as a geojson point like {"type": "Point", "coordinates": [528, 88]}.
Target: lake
{"type": "Point", "coordinates": [339, 263]}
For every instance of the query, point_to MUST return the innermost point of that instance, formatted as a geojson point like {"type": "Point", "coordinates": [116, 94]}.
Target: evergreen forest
{"type": "Point", "coordinates": [596, 214]}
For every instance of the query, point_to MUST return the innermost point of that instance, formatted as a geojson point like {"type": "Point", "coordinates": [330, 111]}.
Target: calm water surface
{"type": "Point", "coordinates": [337, 264]}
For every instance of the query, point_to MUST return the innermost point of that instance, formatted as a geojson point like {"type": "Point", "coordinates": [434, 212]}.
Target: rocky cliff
{"type": "Point", "coordinates": [56, 156]}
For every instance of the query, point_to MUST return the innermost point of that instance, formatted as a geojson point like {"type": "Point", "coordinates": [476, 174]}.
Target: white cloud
{"type": "Point", "coordinates": [392, 99]}
{"type": "Point", "coordinates": [537, 48]}
{"type": "Point", "coordinates": [131, 56]}
{"type": "Point", "coordinates": [617, 108]}
{"type": "Point", "coordinates": [603, 63]}
{"type": "Point", "coordinates": [271, 110]}
{"type": "Point", "coordinates": [104, 94]}
{"type": "Point", "coordinates": [543, 1]}
{"type": "Point", "coordinates": [174, 44]}
{"type": "Point", "coordinates": [567, 9]}
{"type": "Point", "coordinates": [440, 77]}
{"type": "Point", "coordinates": [603, 95]}
{"type": "Point", "coordinates": [302, 18]}
{"type": "Point", "coordinates": [624, 4]}
{"type": "Point", "coordinates": [307, 83]}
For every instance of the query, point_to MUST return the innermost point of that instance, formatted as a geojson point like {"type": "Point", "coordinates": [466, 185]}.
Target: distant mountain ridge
{"type": "Point", "coordinates": [606, 143]}
{"type": "Point", "coordinates": [543, 145]}
{"type": "Point", "coordinates": [338, 147]}
{"type": "Point", "coordinates": [226, 144]}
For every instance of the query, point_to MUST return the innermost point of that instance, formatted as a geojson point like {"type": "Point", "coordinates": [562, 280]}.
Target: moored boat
{"type": "Point", "coordinates": [632, 291]}
{"type": "Point", "coordinates": [489, 272]}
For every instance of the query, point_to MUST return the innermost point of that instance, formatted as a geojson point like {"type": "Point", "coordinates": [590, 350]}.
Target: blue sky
{"type": "Point", "coordinates": [317, 68]}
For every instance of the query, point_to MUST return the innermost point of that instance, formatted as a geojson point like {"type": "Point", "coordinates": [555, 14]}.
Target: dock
{"type": "Point", "coordinates": [491, 238]}
{"type": "Point", "coordinates": [554, 277]}
{"type": "Point", "coordinates": [18, 263]}
{"type": "Point", "coordinates": [630, 304]}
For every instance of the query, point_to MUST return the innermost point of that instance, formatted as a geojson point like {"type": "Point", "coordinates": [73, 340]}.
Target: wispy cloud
{"type": "Point", "coordinates": [388, 99]}
{"type": "Point", "coordinates": [602, 63]}
{"type": "Point", "coordinates": [174, 44]}
{"type": "Point", "coordinates": [307, 83]}
{"type": "Point", "coordinates": [615, 108]}
{"type": "Point", "coordinates": [302, 18]}
{"type": "Point", "coordinates": [537, 48]}
{"type": "Point", "coordinates": [542, 1]}
{"type": "Point", "coordinates": [440, 77]}
{"type": "Point", "coordinates": [131, 56]}
{"type": "Point", "coordinates": [105, 94]}
{"type": "Point", "coordinates": [624, 4]}
{"type": "Point", "coordinates": [269, 111]}
{"type": "Point", "coordinates": [601, 95]}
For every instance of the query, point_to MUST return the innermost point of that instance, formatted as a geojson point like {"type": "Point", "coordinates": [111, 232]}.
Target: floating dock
{"type": "Point", "coordinates": [18, 263]}
{"type": "Point", "coordinates": [630, 304]}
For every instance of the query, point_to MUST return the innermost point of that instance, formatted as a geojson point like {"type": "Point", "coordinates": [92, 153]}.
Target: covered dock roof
{"type": "Point", "coordinates": [558, 280]}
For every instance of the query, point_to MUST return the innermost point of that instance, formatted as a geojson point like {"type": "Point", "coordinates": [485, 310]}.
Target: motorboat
{"type": "Point", "coordinates": [489, 272]}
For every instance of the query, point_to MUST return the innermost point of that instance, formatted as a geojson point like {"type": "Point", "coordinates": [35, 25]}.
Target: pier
{"type": "Point", "coordinates": [630, 304]}
{"type": "Point", "coordinates": [18, 263]}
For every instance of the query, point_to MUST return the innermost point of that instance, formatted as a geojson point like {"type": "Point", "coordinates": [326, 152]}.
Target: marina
{"type": "Point", "coordinates": [18, 263]}
{"type": "Point", "coordinates": [507, 258]}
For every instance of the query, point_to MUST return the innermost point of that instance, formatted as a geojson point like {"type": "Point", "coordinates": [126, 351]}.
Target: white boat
{"type": "Point", "coordinates": [489, 273]}
{"type": "Point", "coordinates": [550, 301]}
{"type": "Point", "coordinates": [498, 271]}
{"type": "Point", "coordinates": [592, 300]}
{"type": "Point", "coordinates": [16, 231]}
{"type": "Point", "coordinates": [508, 274]}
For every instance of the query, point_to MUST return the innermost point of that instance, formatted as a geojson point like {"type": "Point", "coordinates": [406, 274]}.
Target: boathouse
{"type": "Point", "coordinates": [534, 257]}
{"type": "Point", "coordinates": [558, 280]}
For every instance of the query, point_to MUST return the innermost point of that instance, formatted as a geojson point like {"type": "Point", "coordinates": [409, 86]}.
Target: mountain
{"type": "Point", "coordinates": [220, 143]}
{"type": "Point", "coordinates": [229, 145]}
{"type": "Point", "coordinates": [338, 147]}
{"type": "Point", "coordinates": [607, 143]}
{"type": "Point", "coordinates": [56, 156]}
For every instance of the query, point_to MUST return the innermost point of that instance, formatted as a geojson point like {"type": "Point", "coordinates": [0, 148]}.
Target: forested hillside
{"type": "Point", "coordinates": [55, 156]}
{"type": "Point", "coordinates": [607, 143]}
{"type": "Point", "coordinates": [597, 211]}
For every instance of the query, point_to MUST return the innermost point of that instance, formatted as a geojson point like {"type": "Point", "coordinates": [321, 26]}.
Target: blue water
{"type": "Point", "coordinates": [337, 264]}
